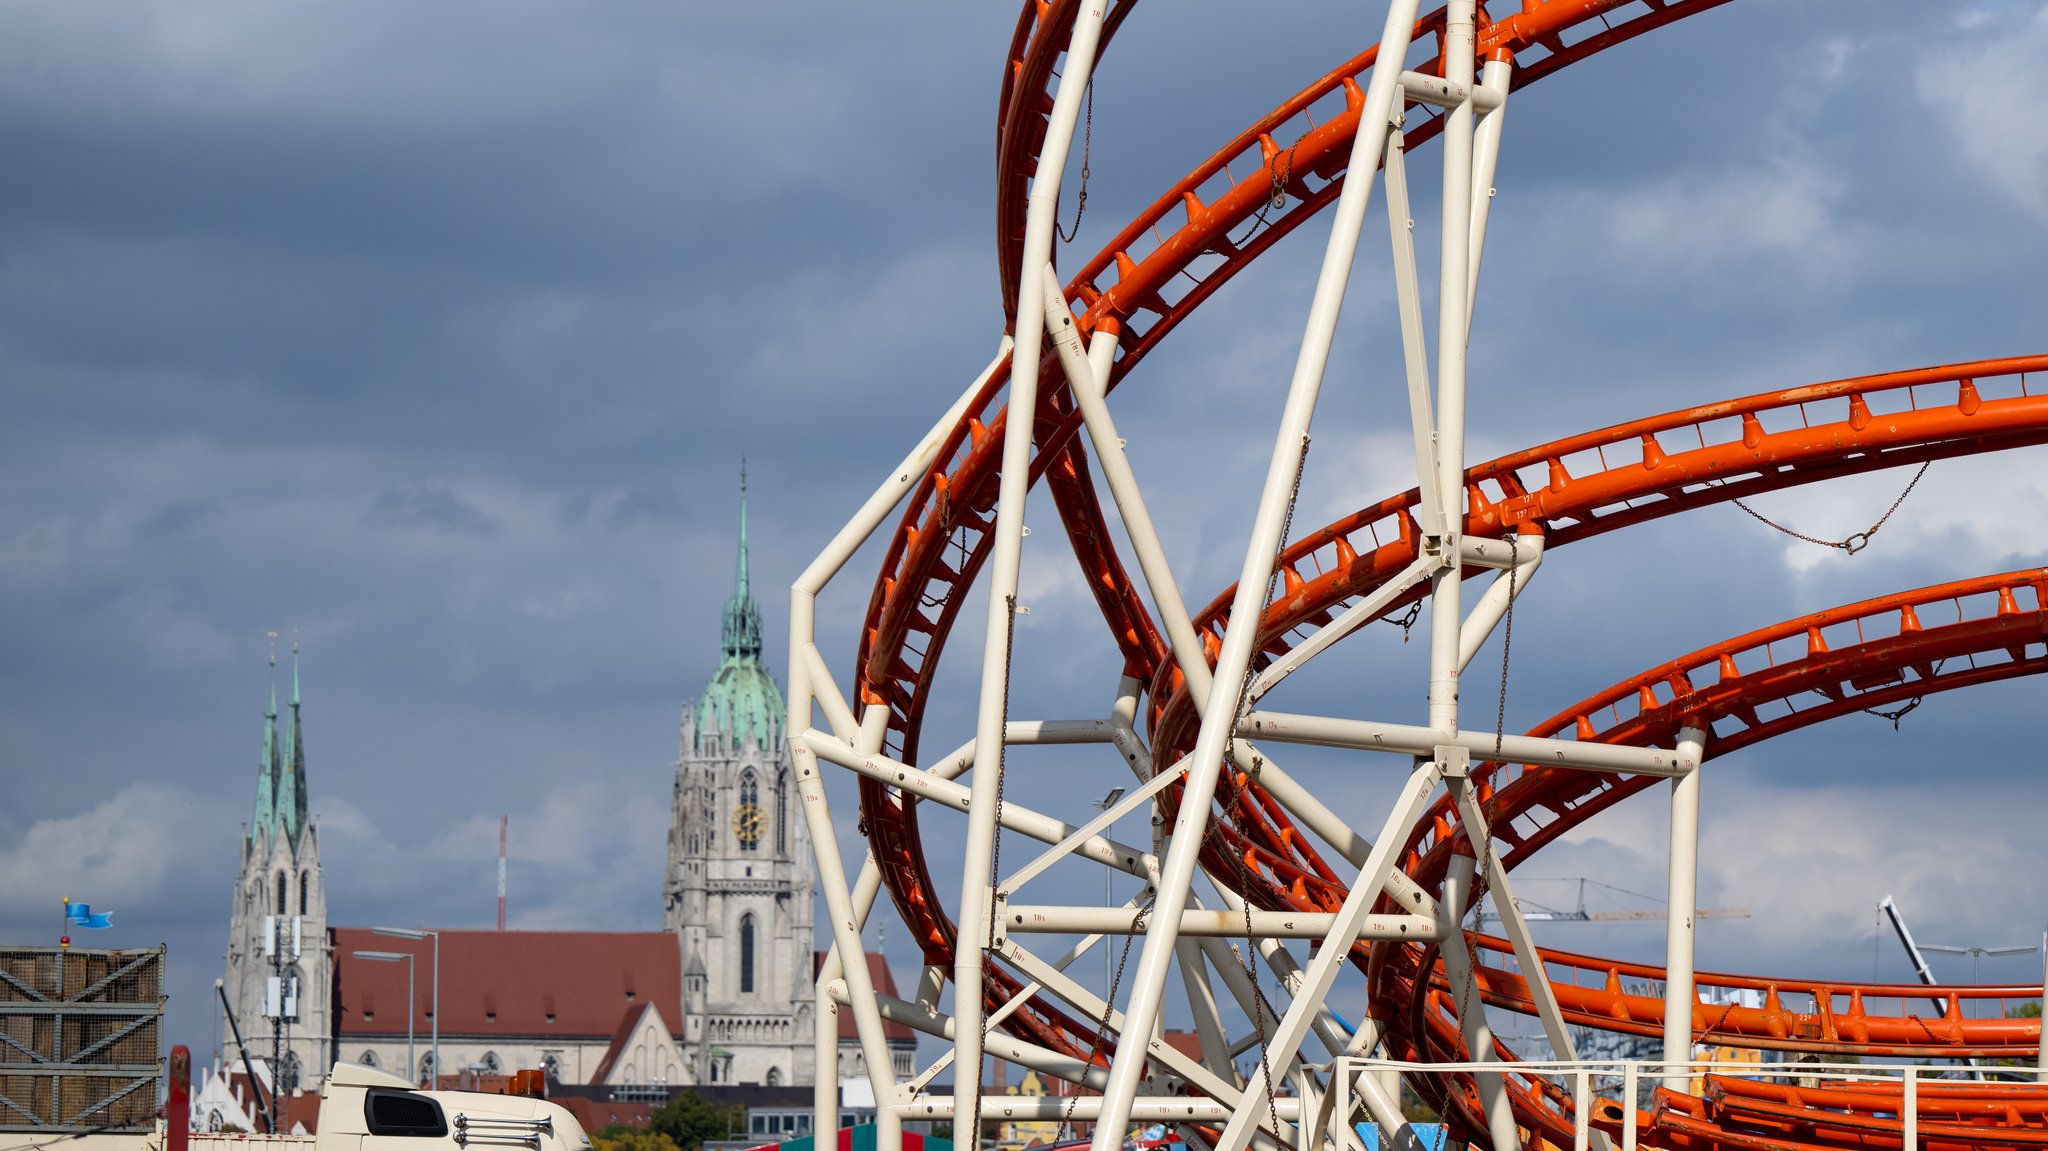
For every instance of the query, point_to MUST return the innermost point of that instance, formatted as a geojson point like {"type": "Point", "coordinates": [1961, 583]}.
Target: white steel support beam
{"type": "Point", "coordinates": [1194, 979]}
{"type": "Point", "coordinates": [1015, 816]}
{"type": "Point", "coordinates": [1514, 926]}
{"type": "Point", "coordinates": [846, 920]}
{"type": "Point", "coordinates": [1493, 603]}
{"type": "Point", "coordinates": [1457, 957]}
{"type": "Point", "coordinates": [1328, 1030]}
{"type": "Point", "coordinates": [1040, 919]}
{"type": "Point", "coordinates": [1014, 881]}
{"type": "Point", "coordinates": [1344, 623]}
{"type": "Point", "coordinates": [1404, 739]}
{"type": "Point", "coordinates": [1048, 1108]}
{"type": "Point", "coordinates": [1453, 330]}
{"type": "Point", "coordinates": [1414, 351]}
{"type": "Point", "coordinates": [1087, 374]}
{"type": "Point", "coordinates": [2041, 1055]}
{"type": "Point", "coordinates": [1302, 804]}
{"type": "Point", "coordinates": [976, 892]}
{"type": "Point", "coordinates": [1000, 1045]}
{"type": "Point", "coordinates": [1534, 973]}
{"type": "Point", "coordinates": [1283, 472]}
{"type": "Point", "coordinates": [1683, 895]}
{"type": "Point", "coordinates": [1492, 90]}
{"type": "Point", "coordinates": [1175, 1062]}
{"type": "Point", "coordinates": [1322, 970]}
{"type": "Point", "coordinates": [903, 479]}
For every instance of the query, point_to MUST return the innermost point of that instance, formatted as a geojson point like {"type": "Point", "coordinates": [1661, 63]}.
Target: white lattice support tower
{"type": "Point", "coordinates": [1256, 974]}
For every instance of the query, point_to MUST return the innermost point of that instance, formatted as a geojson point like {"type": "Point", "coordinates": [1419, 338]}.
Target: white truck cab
{"type": "Point", "coordinates": [369, 1110]}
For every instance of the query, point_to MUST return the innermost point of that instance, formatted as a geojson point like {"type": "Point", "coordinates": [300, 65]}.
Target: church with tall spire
{"type": "Point", "coordinates": [738, 886]}
{"type": "Point", "coordinates": [279, 975]}
{"type": "Point", "coordinates": [721, 997]}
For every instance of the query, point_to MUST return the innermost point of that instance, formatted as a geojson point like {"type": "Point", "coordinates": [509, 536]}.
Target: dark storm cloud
{"type": "Point", "coordinates": [442, 330]}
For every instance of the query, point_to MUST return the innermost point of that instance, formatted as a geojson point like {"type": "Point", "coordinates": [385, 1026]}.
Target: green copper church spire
{"type": "Point", "coordinates": [280, 811]}
{"type": "Point", "coordinates": [742, 614]}
{"type": "Point", "coordinates": [741, 701]}
{"type": "Point", "coordinates": [291, 794]}
{"type": "Point", "coordinates": [262, 819]}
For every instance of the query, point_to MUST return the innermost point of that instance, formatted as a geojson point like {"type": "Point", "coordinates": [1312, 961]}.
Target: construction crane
{"type": "Point", "coordinates": [1534, 912]}
{"type": "Point", "coordinates": [1914, 951]}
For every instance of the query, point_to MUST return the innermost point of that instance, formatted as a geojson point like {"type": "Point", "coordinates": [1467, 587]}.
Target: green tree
{"type": "Point", "coordinates": [622, 1137]}
{"type": "Point", "coordinates": [689, 1121]}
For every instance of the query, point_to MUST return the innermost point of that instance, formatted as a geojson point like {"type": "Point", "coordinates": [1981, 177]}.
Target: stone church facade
{"type": "Point", "coordinates": [280, 962]}
{"type": "Point", "coordinates": [723, 995]}
{"type": "Point", "coordinates": [738, 887]}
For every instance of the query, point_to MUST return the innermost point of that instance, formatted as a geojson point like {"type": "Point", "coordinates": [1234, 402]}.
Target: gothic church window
{"type": "Point", "coordinates": [280, 893]}
{"type": "Point", "coordinates": [746, 955]}
{"type": "Point", "coordinates": [782, 812]}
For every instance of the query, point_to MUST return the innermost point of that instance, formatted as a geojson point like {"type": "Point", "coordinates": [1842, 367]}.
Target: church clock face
{"type": "Point", "coordinates": [747, 823]}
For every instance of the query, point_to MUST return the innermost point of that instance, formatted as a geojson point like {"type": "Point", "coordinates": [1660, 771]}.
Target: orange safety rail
{"type": "Point", "coordinates": [1760, 1118]}
{"type": "Point", "coordinates": [1800, 672]}
{"type": "Point", "coordinates": [1022, 112]}
{"type": "Point", "coordinates": [943, 535]}
{"type": "Point", "coordinates": [1156, 273]}
{"type": "Point", "coordinates": [945, 531]}
{"type": "Point", "coordinates": [1626, 474]}
{"type": "Point", "coordinates": [1741, 447]}
{"type": "Point", "coordinates": [1593, 483]}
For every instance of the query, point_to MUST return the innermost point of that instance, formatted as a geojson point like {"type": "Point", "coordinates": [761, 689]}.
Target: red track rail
{"type": "Point", "coordinates": [1745, 690]}
{"type": "Point", "coordinates": [1155, 273]}
{"type": "Point", "coordinates": [943, 537]}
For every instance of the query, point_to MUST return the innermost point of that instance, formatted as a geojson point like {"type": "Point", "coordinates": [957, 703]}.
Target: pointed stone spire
{"type": "Point", "coordinates": [741, 702]}
{"type": "Point", "coordinates": [742, 586]}
{"type": "Point", "coordinates": [742, 639]}
{"type": "Point", "coordinates": [291, 794]}
{"type": "Point", "coordinates": [264, 819]}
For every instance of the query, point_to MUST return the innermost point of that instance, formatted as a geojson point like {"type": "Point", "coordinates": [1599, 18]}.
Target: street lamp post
{"type": "Point", "coordinates": [433, 996]}
{"type": "Point", "coordinates": [394, 957]}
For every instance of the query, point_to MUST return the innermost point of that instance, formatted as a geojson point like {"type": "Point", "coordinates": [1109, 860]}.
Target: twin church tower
{"type": "Point", "coordinates": [737, 938]}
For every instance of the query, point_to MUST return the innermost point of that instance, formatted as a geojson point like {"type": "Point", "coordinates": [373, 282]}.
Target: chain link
{"type": "Point", "coordinates": [1481, 878]}
{"type": "Point", "coordinates": [1108, 1006]}
{"type": "Point", "coordinates": [1087, 143]}
{"type": "Point", "coordinates": [1276, 199]}
{"type": "Point", "coordinates": [1854, 543]}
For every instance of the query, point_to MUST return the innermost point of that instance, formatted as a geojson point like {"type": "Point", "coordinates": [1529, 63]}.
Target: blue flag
{"type": "Point", "coordinates": [81, 915]}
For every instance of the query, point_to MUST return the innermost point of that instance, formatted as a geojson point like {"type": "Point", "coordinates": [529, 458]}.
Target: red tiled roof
{"type": "Point", "coordinates": [594, 1115]}
{"type": "Point", "coordinates": [508, 983]}
{"type": "Point", "coordinates": [885, 984]}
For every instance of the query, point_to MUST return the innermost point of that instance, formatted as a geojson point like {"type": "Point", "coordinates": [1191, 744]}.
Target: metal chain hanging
{"type": "Point", "coordinates": [1087, 143]}
{"type": "Point", "coordinates": [1854, 543]}
{"type": "Point", "coordinates": [1108, 1005]}
{"type": "Point", "coordinates": [1277, 198]}
{"type": "Point", "coordinates": [1480, 876]}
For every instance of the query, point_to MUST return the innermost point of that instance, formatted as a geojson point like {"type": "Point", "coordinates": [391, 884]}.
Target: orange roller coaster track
{"type": "Point", "coordinates": [1262, 840]}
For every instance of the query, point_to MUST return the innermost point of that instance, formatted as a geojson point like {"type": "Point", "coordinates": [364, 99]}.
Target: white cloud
{"type": "Point", "coordinates": [1986, 84]}
{"type": "Point", "coordinates": [114, 855]}
{"type": "Point", "coordinates": [1778, 213]}
{"type": "Point", "coordinates": [1982, 513]}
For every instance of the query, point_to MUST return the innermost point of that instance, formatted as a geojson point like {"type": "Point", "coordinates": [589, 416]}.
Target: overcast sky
{"type": "Point", "coordinates": [442, 329]}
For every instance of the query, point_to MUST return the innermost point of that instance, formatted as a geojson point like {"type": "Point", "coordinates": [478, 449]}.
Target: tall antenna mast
{"type": "Point", "coordinates": [502, 820]}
